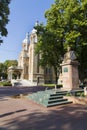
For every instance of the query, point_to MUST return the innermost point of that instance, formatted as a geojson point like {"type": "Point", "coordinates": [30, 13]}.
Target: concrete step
{"type": "Point", "coordinates": [64, 93]}
{"type": "Point", "coordinates": [58, 103]}
{"type": "Point", "coordinates": [57, 100]}
{"type": "Point", "coordinates": [20, 82]}
{"type": "Point", "coordinates": [49, 98]}
{"type": "Point", "coordinates": [55, 97]}
{"type": "Point", "coordinates": [61, 91]}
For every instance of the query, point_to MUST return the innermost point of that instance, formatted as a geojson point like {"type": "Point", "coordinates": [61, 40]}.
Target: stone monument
{"type": "Point", "coordinates": [70, 77]}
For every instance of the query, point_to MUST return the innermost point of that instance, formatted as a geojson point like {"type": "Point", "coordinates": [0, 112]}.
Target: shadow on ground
{"type": "Point", "coordinates": [10, 113]}
{"type": "Point", "coordinates": [70, 117]}
{"type": "Point", "coordinates": [9, 91]}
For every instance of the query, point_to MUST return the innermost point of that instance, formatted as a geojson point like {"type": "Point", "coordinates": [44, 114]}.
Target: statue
{"type": "Point", "coordinates": [69, 55]}
{"type": "Point", "coordinates": [70, 76]}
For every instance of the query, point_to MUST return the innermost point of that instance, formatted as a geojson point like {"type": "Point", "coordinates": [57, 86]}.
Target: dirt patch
{"type": "Point", "coordinates": [77, 100]}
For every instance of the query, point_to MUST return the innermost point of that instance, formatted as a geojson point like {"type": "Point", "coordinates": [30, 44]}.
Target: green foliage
{"type": "Point", "coordinates": [4, 12]}
{"type": "Point", "coordinates": [68, 94]}
{"type": "Point", "coordinates": [48, 48]}
{"type": "Point", "coordinates": [6, 83]}
{"type": "Point", "coordinates": [66, 26]}
{"type": "Point", "coordinates": [49, 86]}
{"type": "Point", "coordinates": [79, 94]}
{"type": "Point", "coordinates": [9, 63]}
{"type": "Point", "coordinates": [52, 86]}
{"type": "Point", "coordinates": [82, 94]}
{"type": "Point", "coordinates": [4, 67]}
{"type": "Point", "coordinates": [68, 20]}
{"type": "Point", "coordinates": [82, 52]}
{"type": "Point", "coordinates": [3, 71]}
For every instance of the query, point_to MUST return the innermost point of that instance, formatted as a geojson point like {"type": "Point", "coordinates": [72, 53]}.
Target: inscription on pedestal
{"type": "Point", "coordinates": [65, 69]}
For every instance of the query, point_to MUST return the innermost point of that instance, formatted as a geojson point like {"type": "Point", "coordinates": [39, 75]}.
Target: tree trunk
{"type": "Point", "coordinates": [56, 78]}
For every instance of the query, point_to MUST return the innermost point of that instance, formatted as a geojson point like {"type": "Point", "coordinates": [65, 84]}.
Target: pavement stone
{"type": "Point", "coordinates": [24, 114]}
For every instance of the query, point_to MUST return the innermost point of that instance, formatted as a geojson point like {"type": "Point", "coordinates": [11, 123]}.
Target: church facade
{"type": "Point", "coordinates": [28, 62]}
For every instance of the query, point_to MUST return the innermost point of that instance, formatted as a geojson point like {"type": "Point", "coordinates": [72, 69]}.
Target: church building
{"type": "Point", "coordinates": [28, 63]}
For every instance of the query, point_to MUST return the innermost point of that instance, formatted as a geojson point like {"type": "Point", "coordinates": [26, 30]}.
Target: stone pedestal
{"type": "Point", "coordinates": [70, 77]}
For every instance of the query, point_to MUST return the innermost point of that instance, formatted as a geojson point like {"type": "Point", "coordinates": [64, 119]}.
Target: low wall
{"type": "Point", "coordinates": [77, 100]}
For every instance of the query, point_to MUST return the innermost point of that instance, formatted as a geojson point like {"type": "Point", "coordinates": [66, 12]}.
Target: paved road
{"type": "Point", "coordinates": [8, 91]}
{"type": "Point", "coordinates": [24, 114]}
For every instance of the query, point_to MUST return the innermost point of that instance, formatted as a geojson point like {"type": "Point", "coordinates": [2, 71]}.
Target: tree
{"type": "Point", "coordinates": [83, 62]}
{"type": "Point", "coordinates": [66, 26]}
{"type": "Point", "coordinates": [3, 71]}
{"type": "Point", "coordinates": [4, 67]}
{"type": "Point", "coordinates": [9, 63]}
{"type": "Point", "coordinates": [49, 49]}
{"type": "Point", "coordinates": [4, 12]}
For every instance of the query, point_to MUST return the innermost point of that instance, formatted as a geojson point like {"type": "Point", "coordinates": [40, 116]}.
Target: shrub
{"type": "Point", "coordinates": [6, 83]}
{"type": "Point", "coordinates": [68, 94]}
{"type": "Point", "coordinates": [77, 94]}
{"type": "Point", "coordinates": [82, 94]}
{"type": "Point", "coordinates": [59, 86]}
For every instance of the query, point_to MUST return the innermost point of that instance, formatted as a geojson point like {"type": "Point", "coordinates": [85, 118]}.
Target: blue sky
{"type": "Point", "coordinates": [23, 15]}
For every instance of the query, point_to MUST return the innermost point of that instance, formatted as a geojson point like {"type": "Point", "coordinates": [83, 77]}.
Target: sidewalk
{"type": "Point", "coordinates": [24, 114]}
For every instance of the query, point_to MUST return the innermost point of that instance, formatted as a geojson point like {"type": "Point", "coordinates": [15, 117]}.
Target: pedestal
{"type": "Point", "coordinates": [70, 75]}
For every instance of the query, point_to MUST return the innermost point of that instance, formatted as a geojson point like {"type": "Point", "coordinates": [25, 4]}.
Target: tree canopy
{"type": "Point", "coordinates": [4, 67]}
{"type": "Point", "coordinates": [9, 63]}
{"type": "Point", "coordinates": [48, 48]}
{"type": "Point", "coordinates": [66, 26]}
{"type": "Point", "coordinates": [4, 12]}
{"type": "Point", "coordinates": [68, 20]}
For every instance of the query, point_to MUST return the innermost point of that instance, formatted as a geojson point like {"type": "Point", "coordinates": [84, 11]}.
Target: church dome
{"type": "Point", "coordinates": [33, 31]}
{"type": "Point", "coordinates": [26, 40]}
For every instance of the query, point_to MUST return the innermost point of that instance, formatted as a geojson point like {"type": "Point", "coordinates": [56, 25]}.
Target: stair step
{"type": "Point", "coordinates": [58, 103]}
{"type": "Point", "coordinates": [55, 97]}
{"type": "Point", "coordinates": [61, 91]}
{"type": "Point", "coordinates": [57, 100]}
{"type": "Point", "coordinates": [58, 94]}
{"type": "Point", "coordinates": [49, 98]}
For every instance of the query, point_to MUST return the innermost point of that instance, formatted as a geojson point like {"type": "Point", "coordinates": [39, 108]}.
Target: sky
{"type": "Point", "coordinates": [23, 15]}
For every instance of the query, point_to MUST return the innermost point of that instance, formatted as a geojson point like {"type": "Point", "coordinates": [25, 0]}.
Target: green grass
{"type": "Point", "coordinates": [52, 85]}
{"type": "Point", "coordinates": [76, 94]}
{"type": "Point", "coordinates": [49, 85]}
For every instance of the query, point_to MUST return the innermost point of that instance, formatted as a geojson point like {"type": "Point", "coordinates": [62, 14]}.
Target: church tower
{"type": "Point", "coordinates": [24, 58]}
{"type": "Point", "coordinates": [25, 44]}
{"type": "Point", "coordinates": [36, 73]}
